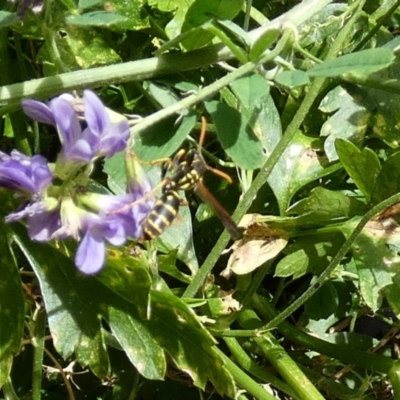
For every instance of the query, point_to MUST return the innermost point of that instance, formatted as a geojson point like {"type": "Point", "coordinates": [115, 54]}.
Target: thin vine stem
{"type": "Point", "coordinates": [333, 264]}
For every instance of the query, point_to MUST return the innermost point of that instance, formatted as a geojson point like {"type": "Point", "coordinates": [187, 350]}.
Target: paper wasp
{"type": "Point", "coordinates": [186, 171]}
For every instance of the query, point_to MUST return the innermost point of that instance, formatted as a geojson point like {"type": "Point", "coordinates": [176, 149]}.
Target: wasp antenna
{"type": "Point", "coordinates": [221, 174]}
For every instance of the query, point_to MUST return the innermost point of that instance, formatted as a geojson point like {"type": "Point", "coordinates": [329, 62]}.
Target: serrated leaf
{"type": "Point", "coordinates": [233, 132]}
{"type": "Point", "coordinates": [292, 79]}
{"type": "Point", "coordinates": [12, 311]}
{"type": "Point", "coordinates": [362, 62]}
{"type": "Point", "coordinates": [362, 165]}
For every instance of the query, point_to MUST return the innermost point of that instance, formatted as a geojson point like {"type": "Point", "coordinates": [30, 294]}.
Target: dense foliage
{"type": "Point", "coordinates": [102, 104]}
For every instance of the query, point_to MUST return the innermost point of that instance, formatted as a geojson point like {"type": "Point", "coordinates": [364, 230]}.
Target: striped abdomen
{"type": "Point", "coordinates": [162, 215]}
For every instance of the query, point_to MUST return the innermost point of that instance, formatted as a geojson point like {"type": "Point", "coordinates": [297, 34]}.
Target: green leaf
{"type": "Point", "coordinates": [305, 166]}
{"type": "Point", "coordinates": [295, 264]}
{"type": "Point", "coordinates": [191, 347]}
{"type": "Point", "coordinates": [7, 19]}
{"type": "Point", "coordinates": [324, 205]}
{"type": "Point", "coordinates": [96, 18]}
{"type": "Point", "coordinates": [163, 95]}
{"type": "Point", "coordinates": [72, 303]}
{"type": "Point", "coordinates": [179, 236]}
{"type": "Point", "coordinates": [307, 255]}
{"type": "Point", "coordinates": [392, 293]}
{"type": "Point", "coordinates": [362, 62]}
{"type": "Point", "coordinates": [321, 27]}
{"type": "Point", "coordinates": [201, 11]}
{"type": "Point", "coordinates": [292, 79]}
{"type": "Point", "coordinates": [168, 5]}
{"type": "Point", "coordinates": [115, 169]}
{"type": "Point", "coordinates": [82, 4]}
{"type": "Point", "coordinates": [387, 182]}
{"type": "Point", "coordinates": [79, 48]}
{"type": "Point", "coordinates": [167, 264]}
{"type": "Point", "coordinates": [164, 138]}
{"type": "Point", "coordinates": [350, 122]}
{"type": "Point", "coordinates": [235, 136]}
{"type": "Point", "coordinates": [129, 277]}
{"type": "Point", "coordinates": [376, 265]}
{"type": "Point", "coordinates": [234, 32]}
{"type": "Point", "coordinates": [264, 42]}
{"type": "Point", "coordinates": [323, 303]}
{"type": "Point", "coordinates": [12, 311]}
{"type": "Point", "coordinates": [137, 341]}
{"type": "Point", "coordinates": [258, 108]}
{"type": "Point", "coordinates": [362, 165]}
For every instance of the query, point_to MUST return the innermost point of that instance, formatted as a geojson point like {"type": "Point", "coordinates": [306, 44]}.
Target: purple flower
{"type": "Point", "coordinates": [24, 174]}
{"type": "Point", "coordinates": [111, 136]}
{"type": "Point", "coordinates": [62, 208]}
{"type": "Point", "coordinates": [76, 146]}
{"type": "Point", "coordinates": [91, 252]}
{"type": "Point", "coordinates": [101, 137]}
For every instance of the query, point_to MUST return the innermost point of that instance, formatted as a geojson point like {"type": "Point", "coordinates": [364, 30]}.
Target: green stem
{"type": "Point", "coordinates": [253, 368]}
{"type": "Point", "coordinates": [8, 390]}
{"type": "Point", "coordinates": [345, 354]}
{"type": "Point", "coordinates": [265, 171]}
{"type": "Point", "coordinates": [209, 90]}
{"type": "Point", "coordinates": [333, 264]}
{"type": "Point", "coordinates": [11, 95]}
{"type": "Point", "coordinates": [377, 26]}
{"type": "Point", "coordinates": [280, 360]}
{"type": "Point", "coordinates": [243, 380]}
{"type": "Point", "coordinates": [237, 51]}
{"type": "Point", "coordinates": [38, 346]}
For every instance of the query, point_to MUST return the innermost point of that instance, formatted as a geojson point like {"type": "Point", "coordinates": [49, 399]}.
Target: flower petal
{"type": "Point", "coordinates": [90, 255]}
{"type": "Point", "coordinates": [38, 111]}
